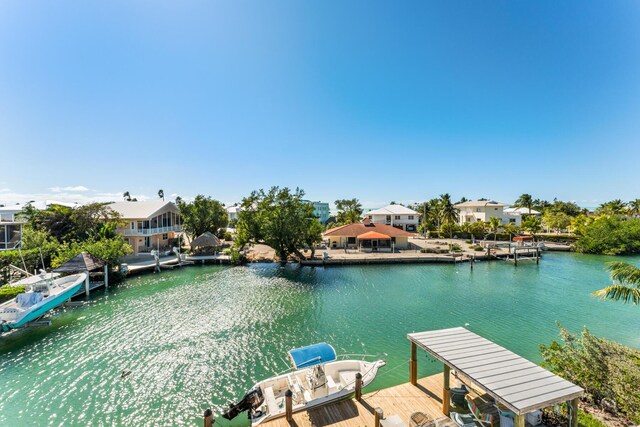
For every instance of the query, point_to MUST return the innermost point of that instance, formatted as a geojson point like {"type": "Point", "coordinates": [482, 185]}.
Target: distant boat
{"type": "Point", "coordinates": [41, 296]}
{"type": "Point", "coordinates": [317, 378]}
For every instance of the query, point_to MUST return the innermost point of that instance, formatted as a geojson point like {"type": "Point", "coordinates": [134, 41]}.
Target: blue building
{"type": "Point", "coordinates": [320, 210]}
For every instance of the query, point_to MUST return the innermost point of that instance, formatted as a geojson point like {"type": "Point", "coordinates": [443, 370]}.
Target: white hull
{"type": "Point", "coordinates": [312, 387]}
{"type": "Point", "coordinates": [17, 312]}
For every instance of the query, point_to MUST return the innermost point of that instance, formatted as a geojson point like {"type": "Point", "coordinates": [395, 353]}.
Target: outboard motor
{"type": "Point", "coordinates": [252, 400]}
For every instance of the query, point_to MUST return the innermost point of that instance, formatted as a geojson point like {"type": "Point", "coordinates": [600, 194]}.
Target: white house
{"type": "Point", "coordinates": [484, 210]}
{"type": "Point", "coordinates": [397, 216]}
{"type": "Point", "coordinates": [150, 224]}
{"type": "Point", "coordinates": [232, 213]}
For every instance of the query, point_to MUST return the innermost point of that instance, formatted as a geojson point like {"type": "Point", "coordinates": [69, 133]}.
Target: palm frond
{"type": "Point", "coordinates": [624, 272]}
{"type": "Point", "coordinates": [619, 292]}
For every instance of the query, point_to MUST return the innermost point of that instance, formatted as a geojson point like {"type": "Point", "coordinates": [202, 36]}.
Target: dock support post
{"type": "Point", "coordinates": [537, 255]}
{"type": "Point", "coordinates": [446, 392]}
{"type": "Point", "coordinates": [106, 276]}
{"type": "Point", "coordinates": [377, 416]}
{"type": "Point", "coordinates": [208, 418]}
{"type": "Point", "coordinates": [518, 421]}
{"type": "Point", "coordinates": [413, 364]}
{"type": "Point", "coordinates": [573, 412]}
{"type": "Point", "coordinates": [288, 403]}
{"type": "Point", "coordinates": [86, 283]}
{"type": "Point", "coordinates": [358, 386]}
{"type": "Point", "coordinates": [515, 257]}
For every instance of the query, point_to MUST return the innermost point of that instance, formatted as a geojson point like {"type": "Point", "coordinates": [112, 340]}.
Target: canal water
{"type": "Point", "coordinates": [159, 349]}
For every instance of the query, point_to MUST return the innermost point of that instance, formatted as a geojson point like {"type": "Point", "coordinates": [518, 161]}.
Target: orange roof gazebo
{"type": "Point", "coordinates": [373, 235]}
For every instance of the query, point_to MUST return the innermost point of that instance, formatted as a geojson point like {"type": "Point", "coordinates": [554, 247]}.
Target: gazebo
{"type": "Point", "coordinates": [511, 380]}
{"type": "Point", "coordinates": [205, 241]}
{"type": "Point", "coordinates": [374, 241]}
{"type": "Point", "coordinates": [85, 262]}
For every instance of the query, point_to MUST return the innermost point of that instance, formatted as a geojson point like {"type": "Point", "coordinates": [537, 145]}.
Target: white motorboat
{"type": "Point", "coordinates": [40, 297]}
{"type": "Point", "coordinates": [317, 378]}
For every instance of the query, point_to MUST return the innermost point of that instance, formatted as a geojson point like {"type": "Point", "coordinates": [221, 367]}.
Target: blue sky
{"type": "Point", "coordinates": [376, 100]}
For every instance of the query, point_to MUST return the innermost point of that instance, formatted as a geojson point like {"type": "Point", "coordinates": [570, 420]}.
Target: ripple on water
{"type": "Point", "coordinates": [170, 345]}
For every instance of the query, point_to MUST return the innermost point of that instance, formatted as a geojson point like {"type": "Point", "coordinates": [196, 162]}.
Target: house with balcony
{"type": "Point", "coordinates": [396, 216]}
{"type": "Point", "coordinates": [484, 210]}
{"type": "Point", "coordinates": [151, 224]}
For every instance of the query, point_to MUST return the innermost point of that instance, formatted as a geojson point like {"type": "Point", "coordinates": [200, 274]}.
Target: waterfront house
{"type": "Point", "coordinates": [10, 227]}
{"type": "Point", "coordinates": [151, 224]}
{"type": "Point", "coordinates": [320, 210]}
{"type": "Point", "coordinates": [396, 216]}
{"type": "Point", "coordinates": [484, 210]}
{"type": "Point", "coordinates": [368, 236]}
{"type": "Point", "coordinates": [232, 213]}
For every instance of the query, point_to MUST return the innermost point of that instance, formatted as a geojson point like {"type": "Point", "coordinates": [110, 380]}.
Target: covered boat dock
{"type": "Point", "coordinates": [511, 380]}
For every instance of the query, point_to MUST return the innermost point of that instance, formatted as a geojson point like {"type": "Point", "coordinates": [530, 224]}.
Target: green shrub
{"type": "Point", "coordinates": [610, 236]}
{"type": "Point", "coordinates": [237, 257]}
{"type": "Point", "coordinates": [455, 247]}
{"type": "Point", "coordinates": [227, 236]}
{"type": "Point", "coordinates": [605, 369]}
{"type": "Point", "coordinates": [10, 292]}
{"type": "Point", "coordinates": [109, 250]}
{"type": "Point", "coordinates": [478, 248]}
{"type": "Point", "coordinates": [559, 238]}
{"type": "Point", "coordinates": [468, 241]}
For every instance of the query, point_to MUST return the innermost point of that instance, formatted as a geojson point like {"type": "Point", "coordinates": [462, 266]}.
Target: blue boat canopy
{"type": "Point", "coordinates": [312, 355]}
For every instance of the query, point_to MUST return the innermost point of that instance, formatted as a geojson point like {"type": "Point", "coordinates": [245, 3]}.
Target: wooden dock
{"type": "Point", "coordinates": [401, 400]}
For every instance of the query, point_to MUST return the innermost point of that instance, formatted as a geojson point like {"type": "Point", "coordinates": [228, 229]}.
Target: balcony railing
{"type": "Point", "coordinates": [151, 231]}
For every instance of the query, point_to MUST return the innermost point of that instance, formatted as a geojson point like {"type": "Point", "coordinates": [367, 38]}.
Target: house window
{"type": "Point", "coordinates": [133, 225]}
{"type": "Point", "coordinates": [397, 217]}
{"type": "Point", "coordinates": [495, 209]}
{"type": "Point", "coordinates": [388, 217]}
{"type": "Point", "coordinates": [165, 236]}
{"type": "Point", "coordinates": [370, 217]}
{"type": "Point", "coordinates": [477, 209]}
{"type": "Point", "coordinates": [351, 240]}
{"type": "Point", "coordinates": [410, 216]}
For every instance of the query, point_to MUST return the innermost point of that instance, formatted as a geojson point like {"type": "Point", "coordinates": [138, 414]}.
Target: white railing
{"type": "Point", "coordinates": [150, 231]}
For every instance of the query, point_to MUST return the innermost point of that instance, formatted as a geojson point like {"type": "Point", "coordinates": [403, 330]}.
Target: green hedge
{"type": "Point", "coordinates": [9, 292]}
{"type": "Point", "coordinates": [558, 238]}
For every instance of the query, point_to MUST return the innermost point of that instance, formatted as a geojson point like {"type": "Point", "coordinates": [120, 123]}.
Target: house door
{"type": "Point", "coordinates": [374, 245]}
{"type": "Point", "coordinates": [147, 241]}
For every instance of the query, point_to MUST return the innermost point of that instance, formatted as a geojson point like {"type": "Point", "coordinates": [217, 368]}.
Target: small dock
{"type": "Point", "coordinates": [401, 400]}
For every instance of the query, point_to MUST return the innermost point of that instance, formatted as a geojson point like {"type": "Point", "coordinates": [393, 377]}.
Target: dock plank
{"type": "Point", "coordinates": [402, 400]}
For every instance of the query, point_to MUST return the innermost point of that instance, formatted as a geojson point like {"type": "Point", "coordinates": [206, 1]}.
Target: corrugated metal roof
{"type": "Point", "coordinates": [512, 380]}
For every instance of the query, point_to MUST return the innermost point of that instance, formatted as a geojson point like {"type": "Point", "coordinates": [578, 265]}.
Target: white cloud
{"type": "Point", "coordinates": [77, 188]}
{"type": "Point", "coordinates": [4, 190]}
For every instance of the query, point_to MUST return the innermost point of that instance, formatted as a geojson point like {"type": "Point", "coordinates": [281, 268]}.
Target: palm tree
{"type": "Point", "coordinates": [448, 212]}
{"type": "Point", "coordinates": [613, 207]}
{"type": "Point", "coordinates": [161, 194]}
{"type": "Point", "coordinates": [524, 201]}
{"type": "Point", "coordinates": [633, 207]}
{"type": "Point", "coordinates": [532, 224]}
{"type": "Point", "coordinates": [127, 196]}
{"type": "Point", "coordinates": [511, 229]}
{"type": "Point", "coordinates": [495, 224]}
{"type": "Point", "coordinates": [626, 283]}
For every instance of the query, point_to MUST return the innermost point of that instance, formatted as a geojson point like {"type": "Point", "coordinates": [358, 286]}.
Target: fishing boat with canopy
{"type": "Point", "coordinates": [318, 376]}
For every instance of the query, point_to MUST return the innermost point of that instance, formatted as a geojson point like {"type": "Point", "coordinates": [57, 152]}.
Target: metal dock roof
{"type": "Point", "coordinates": [512, 380]}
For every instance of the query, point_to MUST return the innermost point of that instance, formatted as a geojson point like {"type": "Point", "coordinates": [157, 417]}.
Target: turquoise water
{"type": "Point", "coordinates": [199, 337]}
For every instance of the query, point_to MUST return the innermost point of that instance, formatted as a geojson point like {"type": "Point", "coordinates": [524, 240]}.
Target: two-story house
{"type": "Point", "coordinates": [10, 227]}
{"type": "Point", "coordinates": [397, 216]}
{"type": "Point", "coordinates": [484, 210]}
{"type": "Point", "coordinates": [150, 224]}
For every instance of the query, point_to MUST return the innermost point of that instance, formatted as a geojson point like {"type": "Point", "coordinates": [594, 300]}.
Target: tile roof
{"type": "Point", "coordinates": [356, 229]}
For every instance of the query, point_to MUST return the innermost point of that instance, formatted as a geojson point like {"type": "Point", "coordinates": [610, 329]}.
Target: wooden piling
{"type": "Point", "coordinates": [518, 421]}
{"type": "Point", "coordinates": [446, 391]}
{"type": "Point", "coordinates": [358, 386]}
{"type": "Point", "coordinates": [378, 415]}
{"type": "Point", "coordinates": [106, 276]}
{"type": "Point", "coordinates": [86, 283]}
{"type": "Point", "coordinates": [288, 403]}
{"type": "Point", "coordinates": [208, 418]}
{"type": "Point", "coordinates": [573, 412]}
{"type": "Point", "coordinates": [413, 364]}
